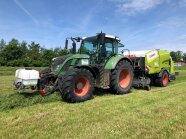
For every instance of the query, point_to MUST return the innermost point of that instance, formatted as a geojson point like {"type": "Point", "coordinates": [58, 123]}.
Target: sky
{"type": "Point", "coordinates": [140, 24]}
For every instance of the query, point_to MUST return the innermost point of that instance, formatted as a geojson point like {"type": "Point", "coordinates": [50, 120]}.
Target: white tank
{"type": "Point", "coordinates": [27, 77]}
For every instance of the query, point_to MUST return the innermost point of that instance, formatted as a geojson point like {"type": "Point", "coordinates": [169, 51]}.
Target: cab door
{"type": "Point", "coordinates": [106, 50]}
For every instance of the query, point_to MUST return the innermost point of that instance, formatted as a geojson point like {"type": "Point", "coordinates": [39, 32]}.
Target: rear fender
{"type": "Point", "coordinates": [114, 60]}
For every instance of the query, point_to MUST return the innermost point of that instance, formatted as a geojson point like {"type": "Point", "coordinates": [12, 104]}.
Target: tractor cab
{"type": "Point", "coordinates": [95, 50]}
{"type": "Point", "coordinates": [100, 47]}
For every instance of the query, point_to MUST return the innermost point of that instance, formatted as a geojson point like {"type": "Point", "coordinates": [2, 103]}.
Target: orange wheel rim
{"type": "Point", "coordinates": [124, 78]}
{"type": "Point", "coordinates": [165, 79]}
{"type": "Point", "coordinates": [81, 86]}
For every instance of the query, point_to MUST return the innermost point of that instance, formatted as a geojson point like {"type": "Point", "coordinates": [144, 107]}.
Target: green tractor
{"type": "Point", "coordinates": [98, 64]}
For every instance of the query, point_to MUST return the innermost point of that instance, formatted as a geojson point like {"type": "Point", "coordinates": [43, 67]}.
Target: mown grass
{"type": "Point", "coordinates": [159, 113]}
{"type": "Point", "coordinates": [180, 68]}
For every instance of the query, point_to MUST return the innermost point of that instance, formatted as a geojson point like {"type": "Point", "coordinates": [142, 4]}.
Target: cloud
{"type": "Point", "coordinates": [138, 33]}
{"type": "Point", "coordinates": [132, 7]}
{"type": "Point", "coordinates": [173, 23]}
{"type": "Point", "coordinates": [26, 11]}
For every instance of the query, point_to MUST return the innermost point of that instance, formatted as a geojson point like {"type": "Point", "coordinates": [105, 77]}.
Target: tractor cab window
{"type": "Point", "coordinates": [88, 46]}
{"type": "Point", "coordinates": [108, 46]}
{"type": "Point", "coordinates": [107, 49]}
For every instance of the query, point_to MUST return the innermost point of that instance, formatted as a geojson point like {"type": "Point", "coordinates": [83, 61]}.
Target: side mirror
{"type": "Point", "coordinates": [102, 38]}
{"type": "Point", "coordinates": [66, 44]}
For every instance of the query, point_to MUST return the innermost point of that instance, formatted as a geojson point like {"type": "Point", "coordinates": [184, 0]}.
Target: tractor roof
{"type": "Point", "coordinates": [106, 35]}
{"type": "Point", "coordinates": [113, 37]}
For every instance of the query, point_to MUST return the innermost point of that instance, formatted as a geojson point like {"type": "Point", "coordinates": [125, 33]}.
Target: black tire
{"type": "Point", "coordinates": [118, 86]}
{"type": "Point", "coordinates": [163, 80]}
{"type": "Point", "coordinates": [68, 85]}
{"type": "Point", "coordinates": [147, 87]}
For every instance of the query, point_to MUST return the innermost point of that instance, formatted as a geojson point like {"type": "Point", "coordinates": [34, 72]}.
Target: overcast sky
{"type": "Point", "coordinates": [140, 24]}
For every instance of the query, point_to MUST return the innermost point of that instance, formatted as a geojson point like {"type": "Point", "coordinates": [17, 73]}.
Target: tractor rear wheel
{"type": "Point", "coordinates": [77, 85]}
{"type": "Point", "coordinates": [121, 78]}
{"type": "Point", "coordinates": [163, 80]}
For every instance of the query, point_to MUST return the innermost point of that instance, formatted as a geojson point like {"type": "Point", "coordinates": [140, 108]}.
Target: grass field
{"type": "Point", "coordinates": [11, 70]}
{"type": "Point", "coordinates": [180, 68]}
{"type": "Point", "coordinates": [159, 113]}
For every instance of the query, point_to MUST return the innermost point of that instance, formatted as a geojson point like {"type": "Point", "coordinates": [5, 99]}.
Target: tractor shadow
{"type": "Point", "coordinates": [102, 92]}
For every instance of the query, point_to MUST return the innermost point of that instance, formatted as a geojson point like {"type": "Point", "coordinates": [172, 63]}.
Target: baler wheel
{"type": "Point", "coordinates": [163, 80]}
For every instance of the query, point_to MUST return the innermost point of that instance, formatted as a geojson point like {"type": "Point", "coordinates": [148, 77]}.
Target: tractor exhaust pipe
{"type": "Point", "coordinates": [73, 46]}
{"type": "Point", "coordinates": [66, 44]}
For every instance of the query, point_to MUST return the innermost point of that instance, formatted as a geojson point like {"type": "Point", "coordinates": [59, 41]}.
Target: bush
{"type": "Point", "coordinates": [2, 62]}
{"type": "Point", "coordinates": [37, 63]}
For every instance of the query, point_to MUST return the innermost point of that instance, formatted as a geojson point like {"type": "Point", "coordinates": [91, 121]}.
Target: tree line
{"type": "Point", "coordinates": [178, 56]}
{"type": "Point", "coordinates": [23, 54]}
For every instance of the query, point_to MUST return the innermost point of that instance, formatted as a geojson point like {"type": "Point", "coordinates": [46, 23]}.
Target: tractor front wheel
{"type": "Point", "coordinates": [77, 85]}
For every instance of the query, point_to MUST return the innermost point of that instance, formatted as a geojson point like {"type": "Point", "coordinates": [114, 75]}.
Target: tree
{"type": "Point", "coordinates": [176, 56]}
{"type": "Point", "coordinates": [24, 49]}
{"type": "Point", "coordinates": [2, 44]}
{"type": "Point", "coordinates": [184, 57]}
{"type": "Point", "coordinates": [56, 50]}
{"type": "Point", "coordinates": [179, 55]}
{"type": "Point", "coordinates": [12, 51]}
{"type": "Point", "coordinates": [34, 51]}
{"type": "Point", "coordinates": [62, 52]}
{"type": "Point", "coordinates": [47, 56]}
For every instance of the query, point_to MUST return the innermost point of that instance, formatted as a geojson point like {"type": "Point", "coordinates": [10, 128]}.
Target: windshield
{"type": "Point", "coordinates": [88, 45]}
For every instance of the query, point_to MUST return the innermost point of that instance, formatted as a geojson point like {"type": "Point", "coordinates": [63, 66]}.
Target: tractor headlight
{"type": "Point", "coordinates": [84, 62]}
{"type": "Point", "coordinates": [57, 67]}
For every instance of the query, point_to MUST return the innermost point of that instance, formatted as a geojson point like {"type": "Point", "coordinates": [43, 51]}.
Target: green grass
{"type": "Point", "coordinates": [159, 113]}
{"type": "Point", "coordinates": [180, 68]}
{"type": "Point", "coordinates": [11, 70]}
